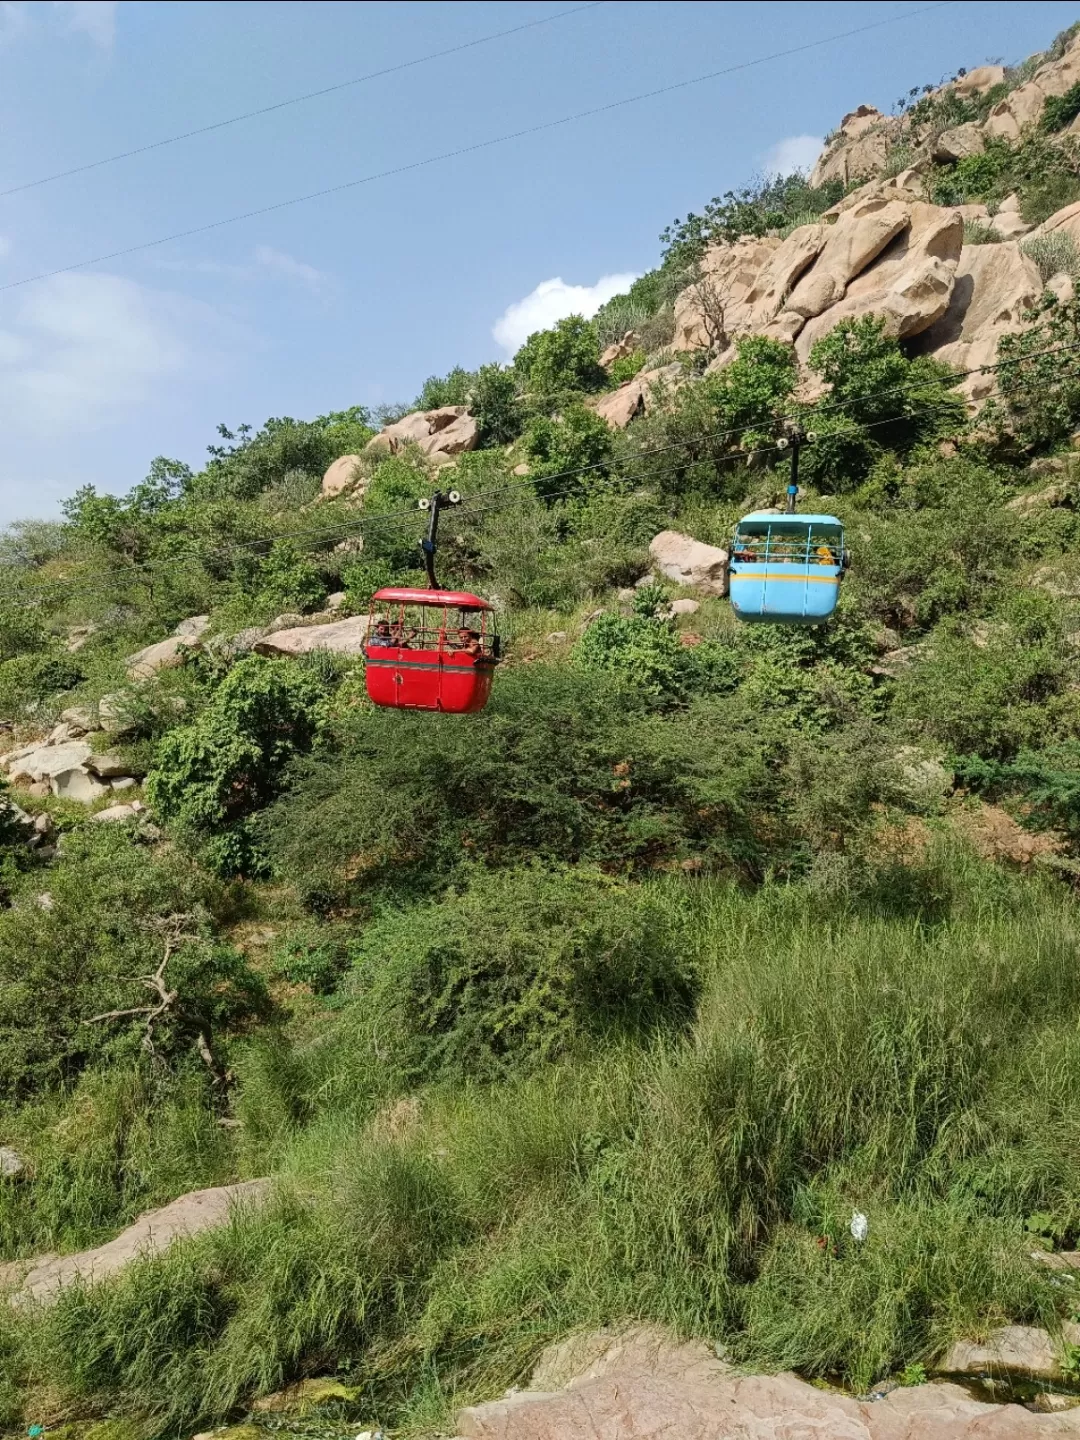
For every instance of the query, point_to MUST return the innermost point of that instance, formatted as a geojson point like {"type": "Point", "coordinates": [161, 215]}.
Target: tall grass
{"type": "Point", "coordinates": [919, 1065]}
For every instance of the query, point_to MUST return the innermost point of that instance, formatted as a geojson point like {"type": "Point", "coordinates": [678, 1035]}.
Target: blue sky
{"type": "Point", "coordinates": [357, 297]}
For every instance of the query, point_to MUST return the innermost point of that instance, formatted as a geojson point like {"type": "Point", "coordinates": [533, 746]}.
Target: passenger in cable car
{"type": "Point", "coordinates": [469, 641]}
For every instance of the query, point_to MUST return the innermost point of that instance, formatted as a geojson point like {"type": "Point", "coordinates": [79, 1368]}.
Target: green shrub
{"type": "Point", "coordinates": [1060, 110]}
{"type": "Point", "coordinates": [752, 210]}
{"type": "Point", "coordinates": [251, 461]}
{"type": "Point", "coordinates": [1046, 195]}
{"type": "Point", "coordinates": [288, 581]}
{"type": "Point", "coordinates": [998, 697]}
{"type": "Point", "coordinates": [317, 957]}
{"type": "Point", "coordinates": [648, 652]}
{"type": "Point", "coordinates": [1039, 393]}
{"type": "Point", "coordinates": [976, 233]}
{"type": "Point", "coordinates": [453, 389]}
{"type": "Point", "coordinates": [211, 775]}
{"type": "Point", "coordinates": [114, 1143]}
{"type": "Point", "coordinates": [627, 367]}
{"type": "Point", "coordinates": [937, 541]}
{"type": "Point", "coordinates": [116, 913]}
{"type": "Point", "coordinates": [514, 969]}
{"type": "Point", "coordinates": [30, 680]}
{"type": "Point", "coordinates": [1053, 254]}
{"type": "Point", "coordinates": [578, 441]}
{"type": "Point", "coordinates": [901, 403]}
{"type": "Point", "coordinates": [561, 360]}
{"type": "Point", "coordinates": [1046, 781]}
{"type": "Point", "coordinates": [404, 804]}
{"type": "Point", "coordinates": [705, 433]}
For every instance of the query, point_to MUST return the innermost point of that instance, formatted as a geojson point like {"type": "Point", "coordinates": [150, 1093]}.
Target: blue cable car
{"type": "Point", "coordinates": [786, 569]}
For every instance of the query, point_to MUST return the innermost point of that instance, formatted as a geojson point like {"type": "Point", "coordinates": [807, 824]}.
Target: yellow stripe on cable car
{"type": "Point", "coordinates": [773, 575]}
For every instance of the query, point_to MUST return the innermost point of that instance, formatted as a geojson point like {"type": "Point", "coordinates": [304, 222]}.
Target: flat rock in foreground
{"type": "Point", "coordinates": [43, 1277]}
{"type": "Point", "coordinates": [643, 1386]}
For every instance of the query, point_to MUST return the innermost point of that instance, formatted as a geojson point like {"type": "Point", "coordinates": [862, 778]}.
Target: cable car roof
{"type": "Point", "coordinates": [460, 599]}
{"type": "Point", "coordinates": [800, 521]}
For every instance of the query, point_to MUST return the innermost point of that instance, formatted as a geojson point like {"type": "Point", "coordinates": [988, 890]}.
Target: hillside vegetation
{"type": "Point", "coordinates": [617, 999]}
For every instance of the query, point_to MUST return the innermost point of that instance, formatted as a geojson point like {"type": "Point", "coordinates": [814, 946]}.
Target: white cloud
{"type": "Point", "coordinates": [82, 351]}
{"type": "Point", "coordinates": [553, 300]}
{"type": "Point", "coordinates": [94, 18]}
{"type": "Point", "coordinates": [797, 152]}
{"type": "Point", "coordinates": [286, 265]}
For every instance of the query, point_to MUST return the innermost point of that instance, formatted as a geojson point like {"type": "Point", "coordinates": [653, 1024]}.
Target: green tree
{"type": "Point", "coordinates": [578, 440]}
{"type": "Point", "coordinates": [1038, 402]}
{"type": "Point", "coordinates": [290, 581]}
{"type": "Point", "coordinates": [561, 360]}
{"type": "Point", "coordinates": [878, 400]}
{"type": "Point", "coordinates": [494, 402]}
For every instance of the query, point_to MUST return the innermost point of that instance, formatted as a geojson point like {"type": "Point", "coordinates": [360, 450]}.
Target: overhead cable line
{"type": "Point", "coordinates": [399, 517]}
{"type": "Point", "coordinates": [299, 99]}
{"type": "Point", "coordinates": [473, 149]}
{"type": "Point", "coordinates": [142, 572]}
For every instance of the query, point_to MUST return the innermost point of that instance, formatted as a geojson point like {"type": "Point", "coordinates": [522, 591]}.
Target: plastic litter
{"type": "Point", "coordinates": [859, 1226]}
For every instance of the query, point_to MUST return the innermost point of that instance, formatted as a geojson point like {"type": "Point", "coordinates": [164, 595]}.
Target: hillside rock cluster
{"type": "Point", "coordinates": [883, 250]}
{"type": "Point", "coordinates": [865, 139]}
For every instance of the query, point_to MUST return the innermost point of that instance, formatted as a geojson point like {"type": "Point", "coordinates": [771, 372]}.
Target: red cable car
{"type": "Point", "coordinates": [430, 650]}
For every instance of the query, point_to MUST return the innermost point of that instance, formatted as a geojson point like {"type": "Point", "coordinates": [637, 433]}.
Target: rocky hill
{"type": "Point", "coordinates": [687, 1040]}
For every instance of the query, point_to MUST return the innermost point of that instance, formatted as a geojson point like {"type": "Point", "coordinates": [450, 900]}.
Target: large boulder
{"type": "Point", "coordinates": [342, 475]}
{"type": "Point", "coordinates": [169, 653]}
{"type": "Point", "coordinates": [690, 562]}
{"type": "Point", "coordinates": [1062, 222]}
{"type": "Point", "coordinates": [860, 148]}
{"type": "Point", "coordinates": [116, 714]}
{"type": "Point", "coordinates": [441, 434]}
{"type": "Point", "coordinates": [193, 627]}
{"type": "Point", "coordinates": [638, 396]}
{"type": "Point", "coordinates": [619, 350]}
{"type": "Point", "coordinates": [1023, 107]}
{"type": "Point", "coordinates": [78, 784]}
{"type": "Point", "coordinates": [44, 761]}
{"type": "Point", "coordinates": [343, 637]}
{"type": "Point", "coordinates": [114, 814]}
{"type": "Point", "coordinates": [959, 142]}
{"type": "Point", "coordinates": [910, 283]}
{"type": "Point", "coordinates": [164, 655]}
{"type": "Point", "coordinates": [783, 269]}
{"type": "Point", "coordinates": [110, 767]}
{"type": "Point", "coordinates": [993, 286]}
{"type": "Point", "coordinates": [858, 237]}
{"type": "Point", "coordinates": [975, 82]}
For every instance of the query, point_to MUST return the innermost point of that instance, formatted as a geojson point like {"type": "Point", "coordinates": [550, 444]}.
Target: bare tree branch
{"type": "Point", "coordinates": [173, 927]}
{"type": "Point", "coordinates": [711, 301]}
